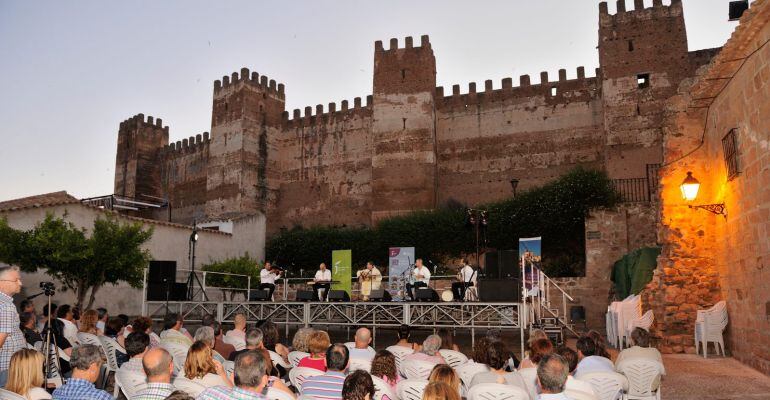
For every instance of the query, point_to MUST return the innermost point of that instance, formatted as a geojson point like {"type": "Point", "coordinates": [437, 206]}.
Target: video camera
{"type": "Point", "coordinates": [49, 289]}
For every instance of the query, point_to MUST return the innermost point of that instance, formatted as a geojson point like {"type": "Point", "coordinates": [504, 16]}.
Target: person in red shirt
{"type": "Point", "coordinates": [317, 343]}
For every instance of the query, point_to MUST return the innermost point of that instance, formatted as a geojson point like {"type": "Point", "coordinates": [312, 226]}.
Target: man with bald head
{"type": "Point", "coordinates": [158, 366]}
{"type": "Point", "coordinates": [362, 351]}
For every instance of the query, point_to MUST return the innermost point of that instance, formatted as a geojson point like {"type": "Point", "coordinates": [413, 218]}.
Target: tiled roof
{"type": "Point", "coordinates": [41, 200]}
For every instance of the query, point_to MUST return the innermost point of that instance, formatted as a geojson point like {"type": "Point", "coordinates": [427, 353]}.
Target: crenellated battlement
{"type": "Point", "coordinates": [186, 146]}
{"type": "Point", "coordinates": [408, 44]}
{"type": "Point", "coordinates": [139, 121]}
{"type": "Point", "coordinates": [332, 113]}
{"type": "Point", "coordinates": [250, 78]}
{"type": "Point", "coordinates": [639, 11]}
{"type": "Point", "coordinates": [580, 88]}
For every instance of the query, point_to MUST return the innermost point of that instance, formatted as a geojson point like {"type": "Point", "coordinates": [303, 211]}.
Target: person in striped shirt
{"type": "Point", "coordinates": [329, 385]}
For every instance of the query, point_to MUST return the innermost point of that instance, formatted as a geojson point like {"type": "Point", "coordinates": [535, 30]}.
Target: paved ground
{"type": "Point", "coordinates": [691, 377]}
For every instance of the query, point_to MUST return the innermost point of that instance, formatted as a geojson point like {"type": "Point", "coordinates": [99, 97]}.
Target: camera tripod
{"type": "Point", "coordinates": [52, 364]}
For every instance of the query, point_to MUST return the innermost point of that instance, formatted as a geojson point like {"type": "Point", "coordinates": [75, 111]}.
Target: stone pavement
{"type": "Point", "coordinates": [691, 377]}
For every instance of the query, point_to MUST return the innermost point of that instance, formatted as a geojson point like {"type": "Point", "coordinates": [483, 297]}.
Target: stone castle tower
{"type": "Point", "coordinates": [410, 146]}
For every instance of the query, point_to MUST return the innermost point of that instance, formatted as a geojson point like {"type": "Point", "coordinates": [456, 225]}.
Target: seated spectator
{"type": "Point", "coordinates": [588, 361]}
{"type": "Point", "coordinates": [317, 343]}
{"type": "Point", "coordinates": [144, 324]}
{"type": "Point", "coordinates": [158, 366]}
{"type": "Point", "coordinates": [46, 317]}
{"type": "Point", "coordinates": [102, 316]}
{"type": "Point", "coordinates": [28, 328]}
{"type": "Point", "coordinates": [219, 345]}
{"type": "Point", "coordinates": [448, 340]}
{"type": "Point", "coordinates": [137, 344]}
{"type": "Point", "coordinates": [57, 336]}
{"type": "Point", "coordinates": [480, 353]}
{"type": "Point", "coordinates": [439, 391]}
{"type": "Point", "coordinates": [429, 351]}
{"type": "Point", "coordinates": [445, 373]}
{"type": "Point", "coordinates": [537, 350]}
{"type": "Point", "coordinates": [67, 317]}
{"type": "Point", "coordinates": [239, 331]}
{"type": "Point", "coordinates": [571, 358]}
{"type": "Point", "coordinates": [205, 334]}
{"type": "Point", "coordinates": [404, 332]}
{"type": "Point", "coordinates": [640, 337]}
{"type": "Point", "coordinates": [299, 342]}
{"type": "Point", "coordinates": [272, 340]}
{"type": "Point", "coordinates": [249, 377]}
{"type": "Point", "coordinates": [384, 367]}
{"type": "Point", "coordinates": [86, 361]}
{"type": "Point", "coordinates": [254, 343]}
{"type": "Point", "coordinates": [200, 366]}
{"type": "Point", "coordinates": [172, 330]}
{"type": "Point", "coordinates": [25, 374]}
{"type": "Point", "coordinates": [497, 359]}
{"type": "Point", "coordinates": [552, 372]}
{"type": "Point", "coordinates": [88, 323]}
{"type": "Point", "coordinates": [329, 385]}
{"type": "Point", "coordinates": [27, 306]}
{"type": "Point", "coordinates": [359, 386]}
{"type": "Point", "coordinates": [601, 344]}
{"type": "Point", "coordinates": [362, 351]}
{"type": "Point", "coordinates": [181, 395]}
{"type": "Point", "coordinates": [114, 330]}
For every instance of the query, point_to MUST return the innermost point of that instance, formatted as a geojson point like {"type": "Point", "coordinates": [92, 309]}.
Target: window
{"type": "Point", "coordinates": [643, 80]}
{"type": "Point", "coordinates": [630, 45]}
{"type": "Point", "coordinates": [403, 74]}
{"type": "Point", "coordinates": [404, 120]}
{"type": "Point", "coordinates": [730, 149]}
{"type": "Point", "coordinates": [554, 91]}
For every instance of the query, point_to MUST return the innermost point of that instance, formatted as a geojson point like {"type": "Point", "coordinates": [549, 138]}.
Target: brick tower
{"type": "Point", "coordinates": [137, 174]}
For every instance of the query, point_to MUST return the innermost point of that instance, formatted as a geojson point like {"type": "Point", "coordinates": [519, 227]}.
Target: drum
{"type": "Point", "coordinates": [447, 296]}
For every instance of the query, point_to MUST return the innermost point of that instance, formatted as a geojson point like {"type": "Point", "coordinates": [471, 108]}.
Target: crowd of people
{"type": "Point", "coordinates": [251, 362]}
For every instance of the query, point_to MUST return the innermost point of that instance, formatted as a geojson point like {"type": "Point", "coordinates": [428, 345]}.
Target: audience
{"type": "Point", "coordinates": [384, 367]}
{"type": "Point", "coordinates": [362, 351]}
{"type": "Point", "coordinates": [46, 317]}
{"type": "Point", "coordinates": [86, 361]}
{"type": "Point", "coordinates": [144, 324]}
{"type": "Point", "coordinates": [238, 333]}
{"type": "Point", "coordinates": [225, 349]}
{"type": "Point", "coordinates": [271, 340]}
{"type": "Point", "coordinates": [180, 395]}
{"type": "Point", "coordinates": [429, 351]}
{"type": "Point", "coordinates": [601, 344]}
{"type": "Point", "coordinates": [158, 366]}
{"type": "Point", "coordinates": [439, 391]}
{"type": "Point", "coordinates": [200, 366]}
{"type": "Point", "coordinates": [27, 305]}
{"type": "Point", "coordinates": [329, 385]}
{"type": "Point", "coordinates": [571, 358]}
{"type": "Point", "coordinates": [497, 359]}
{"type": "Point", "coordinates": [249, 378]}
{"type": "Point", "coordinates": [446, 374]}
{"type": "Point", "coordinates": [537, 349]}
{"type": "Point", "coordinates": [102, 317]}
{"type": "Point", "coordinates": [254, 343]}
{"type": "Point", "coordinates": [57, 336]}
{"type": "Point", "coordinates": [480, 353]}
{"type": "Point", "coordinates": [588, 361]}
{"type": "Point", "coordinates": [66, 315]}
{"type": "Point", "coordinates": [114, 330]}
{"type": "Point", "coordinates": [205, 334]}
{"type": "Point", "coordinates": [88, 323]}
{"type": "Point", "coordinates": [172, 330]}
{"type": "Point", "coordinates": [137, 344]}
{"type": "Point", "coordinates": [640, 337]}
{"type": "Point", "coordinates": [358, 386]}
{"type": "Point", "coordinates": [29, 328]}
{"type": "Point", "coordinates": [552, 372]}
{"type": "Point", "coordinates": [299, 342]}
{"type": "Point", "coordinates": [25, 374]}
{"type": "Point", "coordinates": [317, 343]}
{"type": "Point", "coordinates": [404, 332]}
{"type": "Point", "coordinates": [448, 340]}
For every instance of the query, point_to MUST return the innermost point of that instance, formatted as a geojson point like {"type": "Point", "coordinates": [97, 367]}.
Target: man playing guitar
{"type": "Point", "coordinates": [420, 277]}
{"type": "Point", "coordinates": [322, 281]}
{"type": "Point", "coordinates": [369, 279]}
{"type": "Point", "coordinates": [466, 278]}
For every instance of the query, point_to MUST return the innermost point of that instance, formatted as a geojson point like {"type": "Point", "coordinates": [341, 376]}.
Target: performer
{"type": "Point", "coordinates": [467, 278]}
{"type": "Point", "coordinates": [267, 278]}
{"type": "Point", "coordinates": [369, 279]}
{"type": "Point", "coordinates": [322, 281]}
{"type": "Point", "coordinates": [419, 278]}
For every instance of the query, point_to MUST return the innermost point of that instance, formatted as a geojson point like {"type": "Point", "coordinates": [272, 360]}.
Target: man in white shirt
{"type": "Point", "coordinates": [322, 281]}
{"type": "Point", "coordinates": [238, 333]}
{"type": "Point", "coordinates": [66, 316]}
{"type": "Point", "coordinates": [467, 278]}
{"type": "Point", "coordinates": [172, 330]}
{"type": "Point", "coordinates": [589, 361]}
{"type": "Point", "coordinates": [362, 351]}
{"type": "Point", "coordinates": [552, 372]}
{"type": "Point", "coordinates": [267, 279]}
{"type": "Point", "coordinates": [421, 277]}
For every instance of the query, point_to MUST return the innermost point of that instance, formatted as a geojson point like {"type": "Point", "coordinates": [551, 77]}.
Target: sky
{"type": "Point", "coordinates": [71, 71]}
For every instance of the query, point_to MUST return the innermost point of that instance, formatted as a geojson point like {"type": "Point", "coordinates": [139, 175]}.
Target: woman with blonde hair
{"type": "Point", "coordinates": [25, 375]}
{"type": "Point", "coordinates": [439, 391]}
{"type": "Point", "coordinates": [200, 367]}
{"type": "Point", "coordinates": [446, 374]}
{"type": "Point", "coordinates": [88, 323]}
{"type": "Point", "coordinates": [299, 342]}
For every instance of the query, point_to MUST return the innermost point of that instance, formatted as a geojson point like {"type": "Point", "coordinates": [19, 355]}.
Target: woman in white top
{"type": "Point", "coordinates": [497, 358]}
{"type": "Point", "coordinates": [200, 367]}
{"type": "Point", "coordinates": [25, 375]}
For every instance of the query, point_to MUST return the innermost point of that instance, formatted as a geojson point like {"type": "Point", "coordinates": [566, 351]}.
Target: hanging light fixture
{"type": "Point", "coordinates": [690, 187]}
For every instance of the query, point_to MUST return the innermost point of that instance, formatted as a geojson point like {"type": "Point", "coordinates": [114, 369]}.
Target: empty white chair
{"type": "Point", "coordinates": [643, 378]}
{"type": "Point", "coordinates": [400, 352]}
{"type": "Point", "coordinates": [278, 360]}
{"type": "Point", "coordinates": [298, 375]}
{"type": "Point", "coordinates": [416, 369]}
{"type": "Point", "coordinates": [530, 379]}
{"type": "Point", "coordinates": [358, 363]}
{"type": "Point", "coordinates": [381, 388]}
{"type": "Point", "coordinates": [453, 358]}
{"type": "Point", "coordinates": [188, 386]}
{"type": "Point", "coordinates": [644, 322]}
{"type": "Point", "coordinates": [9, 395]}
{"type": "Point", "coordinates": [467, 371]}
{"type": "Point", "coordinates": [130, 383]}
{"type": "Point", "coordinates": [295, 356]}
{"type": "Point", "coordinates": [709, 325]}
{"type": "Point", "coordinates": [496, 391]}
{"type": "Point", "coordinates": [178, 353]}
{"type": "Point", "coordinates": [607, 385]}
{"type": "Point", "coordinates": [630, 309]}
{"type": "Point", "coordinates": [411, 389]}
{"type": "Point", "coordinates": [611, 323]}
{"type": "Point", "coordinates": [275, 394]}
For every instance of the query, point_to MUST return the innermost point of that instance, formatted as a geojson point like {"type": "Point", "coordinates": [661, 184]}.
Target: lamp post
{"type": "Point", "coordinates": [690, 187]}
{"type": "Point", "coordinates": [477, 219]}
{"type": "Point", "coordinates": [193, 279]}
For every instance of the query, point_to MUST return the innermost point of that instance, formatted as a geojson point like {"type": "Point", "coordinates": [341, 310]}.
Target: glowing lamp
{"type": "Point", "coordinates": [689, 187]}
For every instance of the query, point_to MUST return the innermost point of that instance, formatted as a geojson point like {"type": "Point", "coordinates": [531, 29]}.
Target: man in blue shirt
{"type": "Point", "coordinates": [86, 361]}
{"type": "Point", "coordinates": [329, 385]}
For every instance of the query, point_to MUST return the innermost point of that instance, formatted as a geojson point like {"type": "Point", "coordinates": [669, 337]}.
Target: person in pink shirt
{"type": "Point", "coordinates": [317, 343]}
{"type": "Point", "coordinates": [429, 351]}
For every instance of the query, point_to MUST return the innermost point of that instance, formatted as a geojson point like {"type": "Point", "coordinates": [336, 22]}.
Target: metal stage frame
{"type": "Point", "coordinates": [426, 315]}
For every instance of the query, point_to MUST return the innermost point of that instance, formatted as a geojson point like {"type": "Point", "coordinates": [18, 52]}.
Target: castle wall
{"type": "Point", "coordinates": [183, 175]}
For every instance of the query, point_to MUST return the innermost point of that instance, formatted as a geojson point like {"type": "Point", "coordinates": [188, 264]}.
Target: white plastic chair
{"type": "Point", "coordinates": [631, 308]}
{"type": "Point", "coordinates": [472, 293]}
{"type": "Point", "coordinates": [643, 378]}
{"type": "Point", "coordinates": [577, 385]}
{"type": "Point", "coordinates": [178, 353]}
{"type": "Point", "coordinates": [496, 391]}
{"type": "Point", "coordinates": [467, 371]}
{"type": "Point", "coordinates": [381, 388]}
{"type": "Point", "coordinates": [579, 395]}
{"type": "Point", "coordinates": [89, 338]}
{"type": "Point", "coordinates": [607, 385]}
{"type": "Point", "coordinates": [411, 389]}
{"type": "Point", "coordinates": [400, 352]}
{"type": "Point", "coordinates": [709, 325]}
{"type": "Point", "coordinates": [529, 375]}
{"type": "Point", "coordinates": [611, 323]}
{"type": "Point", "coordinates": [188, 386]}
{"type": "Point", "coordinates": [278, 360]}
{"type": "Point", "coordinates": [128, 382]}
{"type": "Point", "coordinates": [644, 322]}
{"type": "Point", "coordinates": [229, 367]}
{"type": "Point", "coordinates": [235, 342]}
{"type": "Point", "coordinates": [295, 356]}
{"type": "Point", "coordinates": [298, 375]}
{"type": "Point", "coordinates": [275, 394]}
{"type": "Point", "coordinates": [358, 363]}
{"type": "Point", "coordinates": [8, 395]}
{"type": "Point", "coordinates": [453, 358]}
{"type": "Point", "coordinates": [416, 369]}
{"type": "Point", "coordinates": [110, 346]}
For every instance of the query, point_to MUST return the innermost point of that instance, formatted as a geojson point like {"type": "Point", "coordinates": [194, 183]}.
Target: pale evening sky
{"type": "Point", "coordinates": [71, 71]}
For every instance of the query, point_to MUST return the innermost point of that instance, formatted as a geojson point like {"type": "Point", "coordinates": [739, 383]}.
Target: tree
{"type": "Point", "coordinates": [244, 265]}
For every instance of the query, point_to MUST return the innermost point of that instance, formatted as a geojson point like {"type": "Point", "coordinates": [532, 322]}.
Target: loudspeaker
{"type": "Point", "coordinates": [508, 261]}
{"type": "Point", "coordinates": [178, 292]}
{"type": "Point", "coordinates": [426, 294]}
{"type": "Point", "coordinates": [491, 268]}
{"type": "Point", "coordinates": [161, 278]}
{"type": "Point", "coordinates": [304, 295]}
{"type": "Point", "coordinates": [259, 295]}
{"type": "Point", "coordinates": [737, 8]}
{"type": "Point", "coordinates": [380, 295]}
{"type": "Point", "coordinates": [500, 290]}
{"type": "Point", "coordinates": [577, 313]}
{"type": "Point", "coordinates": [338, 295]}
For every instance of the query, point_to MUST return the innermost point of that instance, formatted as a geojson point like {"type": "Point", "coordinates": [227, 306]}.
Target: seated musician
{"type": "Point", "coordinates": [369, 279]}
{"type": "Point", "coordinates": [267, 278]}
{"type": "Point", "coordinates": [420, 278]}
{"type": "Point", "coordinates": [322, 281]}
{"type": "Point", "coordinates": [466, 278]}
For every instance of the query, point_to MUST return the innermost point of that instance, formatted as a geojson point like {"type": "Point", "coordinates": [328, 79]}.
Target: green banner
{"type": "Point", "coordinates": [341, 269]}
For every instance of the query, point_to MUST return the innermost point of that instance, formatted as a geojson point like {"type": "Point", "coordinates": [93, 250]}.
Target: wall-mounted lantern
{"type": "Point", "coordinates": [690, 187]}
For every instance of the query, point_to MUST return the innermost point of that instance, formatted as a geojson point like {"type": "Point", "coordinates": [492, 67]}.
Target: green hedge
{"type": "Point", "coordinates": [555, 211]}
